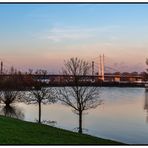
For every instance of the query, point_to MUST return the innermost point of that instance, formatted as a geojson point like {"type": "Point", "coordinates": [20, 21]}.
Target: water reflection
{"type": "Point", "coordinates": [12, 111]}
{"type": "Point", "coordinates": [47, 122]}
{"type": "Point", "coordinates": [123, 112]}
{"type": "Point", "coordinates": [146, 104]}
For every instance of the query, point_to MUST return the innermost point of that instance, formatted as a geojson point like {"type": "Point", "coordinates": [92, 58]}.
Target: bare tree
{"type": "Point", "coordinates": [147, 62]}
{"type": "Point", "coordinates": [9, 90]}
{"type": "Point", "coordinates": [30, 71]}
{"type": "Point", "coordinates": [145, 74]}
{"type": "Point", "coordinates": [9, 96]}
{"type": "Point", "coordinates": [41, 72]}
{"type": "Point", "coordinates": [79, 98]}
{"type": "Point", "coordinates": [40, 94]}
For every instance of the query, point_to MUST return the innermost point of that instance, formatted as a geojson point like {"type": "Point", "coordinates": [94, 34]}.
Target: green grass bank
{"type": "Point", "coordinates": [13, 131]}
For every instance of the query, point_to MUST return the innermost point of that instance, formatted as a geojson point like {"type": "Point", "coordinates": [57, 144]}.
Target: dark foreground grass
{"type": "Point", "coordinates": [13, 131]}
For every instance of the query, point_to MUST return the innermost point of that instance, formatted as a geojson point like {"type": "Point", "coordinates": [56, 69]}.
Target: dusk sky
{"type": "Point", "coordinates": [43, 35]}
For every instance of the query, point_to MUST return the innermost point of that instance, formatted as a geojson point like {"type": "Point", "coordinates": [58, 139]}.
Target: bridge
{"type": "Point", "coordinates": [69, 80]}
{"type": "Point", "coordinates": [100, 75]}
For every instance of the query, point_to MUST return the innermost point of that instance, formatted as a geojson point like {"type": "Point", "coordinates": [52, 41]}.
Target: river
{"type": "Point", "coordinates": [123, 116]}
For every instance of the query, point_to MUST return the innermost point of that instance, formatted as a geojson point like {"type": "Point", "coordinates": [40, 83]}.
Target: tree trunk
{"type": "Point", "coordinates": [80, 122]}
{"type": "Point", "coordinates": [39, 111]}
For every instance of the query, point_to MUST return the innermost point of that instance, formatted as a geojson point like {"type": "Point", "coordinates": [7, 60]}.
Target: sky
{"type": "Point", "coordinates": [44, 35]}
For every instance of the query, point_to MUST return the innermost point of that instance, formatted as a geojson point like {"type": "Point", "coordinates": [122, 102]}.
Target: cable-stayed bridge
{"type": "Point", "coordinates": [107, 70]}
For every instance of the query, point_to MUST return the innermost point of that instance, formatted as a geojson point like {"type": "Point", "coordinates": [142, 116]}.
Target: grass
{"type": "Point", "coordinates": [13, 131]}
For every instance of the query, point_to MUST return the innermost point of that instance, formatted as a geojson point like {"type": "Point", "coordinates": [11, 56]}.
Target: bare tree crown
{"type": "Point", "coordinates": [147, 61]}
{"type": "Point", "coordinates": [75, 67]}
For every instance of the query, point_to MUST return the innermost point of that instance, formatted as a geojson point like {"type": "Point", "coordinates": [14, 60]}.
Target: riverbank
{"type": "Point", "coordinates": [15, 131]}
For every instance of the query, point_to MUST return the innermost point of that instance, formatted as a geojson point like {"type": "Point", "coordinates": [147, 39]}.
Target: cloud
{"type": "Point", "coordinates": [58, 34]}
{"type": "Point", "coordinates": [57, 37]}
{"type": "Point", "coordinates": [61, 34]}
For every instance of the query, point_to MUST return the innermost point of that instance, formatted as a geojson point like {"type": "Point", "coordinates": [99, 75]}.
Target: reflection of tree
{"type": "Point", "coordinates": [12, 111]}
{"type": "Point", "coordinates": [146, 103]}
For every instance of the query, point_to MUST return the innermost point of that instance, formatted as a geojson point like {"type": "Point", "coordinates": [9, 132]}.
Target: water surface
{"type": "Point", "coordinates": [123, 116]}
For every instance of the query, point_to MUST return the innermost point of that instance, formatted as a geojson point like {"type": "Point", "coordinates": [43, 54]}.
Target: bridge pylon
{"type": "Point", "coordinates": [101, 67]}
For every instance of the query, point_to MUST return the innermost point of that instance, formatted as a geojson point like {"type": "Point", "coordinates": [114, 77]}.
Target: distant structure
{"type": "Point", "coordinates": [146, 87]}
{"type": "Point", "coordinates": [146, 104]}
{"type": "Point", "coordinates": [1, 68]}
{"type": "Point", "coordinates": [93, 68]}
